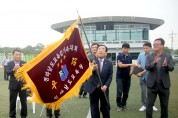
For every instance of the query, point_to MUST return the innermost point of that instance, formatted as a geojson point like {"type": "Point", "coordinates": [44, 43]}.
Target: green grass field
{"type": "Point", "coordinates": [78, 108]}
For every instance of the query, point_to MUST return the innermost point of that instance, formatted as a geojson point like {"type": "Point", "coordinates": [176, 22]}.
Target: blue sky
{"type": "Point", "coordinates": [27, 22]}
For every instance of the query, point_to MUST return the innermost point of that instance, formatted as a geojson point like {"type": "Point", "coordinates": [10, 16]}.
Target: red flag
{"type": "Point", "coordinates": [58, 71]}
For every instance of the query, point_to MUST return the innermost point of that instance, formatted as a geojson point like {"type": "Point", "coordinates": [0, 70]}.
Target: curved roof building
{"type": "Point", "coordinates": [113, 31]}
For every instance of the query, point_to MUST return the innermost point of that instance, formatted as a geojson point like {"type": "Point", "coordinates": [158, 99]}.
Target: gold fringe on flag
{"type": "Point", "coordinates": [23, 76]}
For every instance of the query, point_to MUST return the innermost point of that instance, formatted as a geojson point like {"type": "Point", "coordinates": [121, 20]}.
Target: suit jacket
{"type": "Point", "coordinates": [106, 76]}
{"type": "Point", "coordinates": [164, 71]}
{"type": "Point", "coordinates": [13, 82]}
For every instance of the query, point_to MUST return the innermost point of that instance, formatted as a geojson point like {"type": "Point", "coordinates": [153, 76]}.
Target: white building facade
{"type": "Point", "coordinates": [113, 31]}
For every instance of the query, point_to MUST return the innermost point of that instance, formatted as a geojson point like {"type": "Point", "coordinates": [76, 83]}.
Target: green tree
{"type": "Point", "coordinates": [39, 47]}
{"type": "Point", "coordinates": [166, 49]}
{"type": "Point", "coordinates": [28, 50]}
{"type": "Point", "coordinates": [7, 49]}
{"type": "Point", "coordinates": [176, 52]}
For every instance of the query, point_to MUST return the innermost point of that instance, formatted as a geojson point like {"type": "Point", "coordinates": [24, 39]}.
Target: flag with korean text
{"type": "Point", "coordinates": [58, 71]}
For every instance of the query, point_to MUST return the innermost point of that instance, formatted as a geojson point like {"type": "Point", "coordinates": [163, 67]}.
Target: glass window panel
{"type": "Point", "coordinates": [123, 34]}
{"type": "Point", "coordinates": [111, 35]}
{"type": "Point", "coordinates": [145, 33]}
{"type": "Point", "coordinates": [116, 26]}
{"type": "Point", "coordinates": [101, 35]}
{"type": "Point", "coordinates": [123, 26]}
{"type": "Point", "coordinates": [93, 27]}
{"type": "Point", "coordinates": [136, 34]}
{"type": "Point", "coordinates": [134, 55]}
{"type": "Point", "coordinates": [138, 25]}
{"type": "Point", "coordinates": [131, 26]}
{"type": "Point", "coordinates": [90, 35]}
{"type": "Point", "coordinates": [145, 25]}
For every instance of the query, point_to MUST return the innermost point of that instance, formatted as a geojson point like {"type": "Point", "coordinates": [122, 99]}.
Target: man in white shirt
{"type": "Point", "coordinates": [4, 64]}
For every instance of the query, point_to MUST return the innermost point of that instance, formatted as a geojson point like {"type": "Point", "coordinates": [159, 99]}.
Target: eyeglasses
{"type": "Point", "coordinates": [156, 44]}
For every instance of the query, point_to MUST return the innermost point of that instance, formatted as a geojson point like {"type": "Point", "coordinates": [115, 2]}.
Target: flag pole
{"type": "Point", "coordinates": [92, 55]}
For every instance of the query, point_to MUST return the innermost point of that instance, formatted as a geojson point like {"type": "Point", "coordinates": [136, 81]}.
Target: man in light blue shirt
{"type": "Point", "coordinates": [4, 64]}
{"type": "Point", "coordinates": [141, 61]}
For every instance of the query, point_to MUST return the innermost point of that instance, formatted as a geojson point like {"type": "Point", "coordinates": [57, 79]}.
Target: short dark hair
{"type": "Point", "coordinates": [94, 44]}
{"type": "Point", "coordinates": [147, 44]}
{"type": "Point", "coordinates": [160, 39]}
{"type": "Point", "coordinates": [125, 45]}
{"type": "Point", "coordinates": [16, 50]}
{"type": "Point", "coordinates": [88, 52]}
{"type": "Point", "coordinates": [104, 46]}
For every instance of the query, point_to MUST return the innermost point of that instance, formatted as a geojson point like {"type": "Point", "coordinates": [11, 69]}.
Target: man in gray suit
{"type": "Point", "coordinates": [158, 65]}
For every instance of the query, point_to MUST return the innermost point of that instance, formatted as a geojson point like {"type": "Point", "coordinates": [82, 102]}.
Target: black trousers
{"type": "Point", "coordinates": [82, 92]}
{"type": "Point", "coordinates": [23, 100]}
{"type": "Point", "coordinates": [49, 112]}
{"type": "Point", "coordinates": [6, 76]}
{"type": "Point", "coordinates": [94, 104]}
{"type": "Point", "coordinates": [123, 87]}
{"type": "Point", "coordinates": [163, 94]}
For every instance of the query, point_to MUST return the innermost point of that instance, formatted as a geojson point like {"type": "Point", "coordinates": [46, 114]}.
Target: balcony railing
{"type": "Point", "coordinates": [118, 42]}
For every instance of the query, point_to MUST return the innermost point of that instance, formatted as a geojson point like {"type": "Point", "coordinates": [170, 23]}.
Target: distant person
{"type": "Point", "coordinates": [141, 61]}
{"type": "Point", "coordinates": [91, 57]}
{"type": "Point", "coordinates": [15, 86]}
{"type": "Point", "coordinates": [158, 65]}
{"type": "Point", "coordinates": [88, 53]}
{"type": "Point", "coordinates": [4, 64]}
{"type": "Point", "coordinates": [94, 48]}
{"type": "Point", "coordinates": [49, 113]}
{"type": "Point", "coordinates": [123, 77]}
{"type": "Point", "coordinates": [82, 91]}
{"type": "Point", "coordinates": [104, 68]}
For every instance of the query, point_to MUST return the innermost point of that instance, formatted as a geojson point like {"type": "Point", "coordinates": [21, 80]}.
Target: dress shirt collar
{"type": "Point", "coordinates": [101, 59]}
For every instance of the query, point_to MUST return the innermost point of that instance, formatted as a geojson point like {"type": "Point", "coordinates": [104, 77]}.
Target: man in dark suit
{"type": "Point", "coordinates": [82, 91]}
{"type": "Point", "coordinates": [15, 86]}
{"type": "Point", "coordinates": [158, 65]}
{"type": "Point", "coordinates": [91, 57]}
{"type": "Point", "coordinates": [95, 89]}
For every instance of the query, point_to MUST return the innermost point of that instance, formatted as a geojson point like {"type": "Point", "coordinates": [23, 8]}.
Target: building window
{"type": "Point", "coordinates": [123, 34]}
{"type": "Point", "coordinates": [134, 55]}
{"type": "Point", "coordinates": [105, 26]}
{"type": "Point", "coordinates": [90, 35]}
{"type": "Point", "coordinates": [107, 31]}
{"type": "Point", "coordinates": [137, 34]}
{"type": "Point", "coordinates": [111, 35]}
{"type": "Point", "coordinates": [112, 57]}
{"type": "Point", "coordinates": [145, 33]}
{"type": "Point", "coordinates": [101, 35]}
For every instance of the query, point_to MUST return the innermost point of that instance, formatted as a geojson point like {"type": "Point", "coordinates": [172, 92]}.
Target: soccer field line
{"type": "Point", "coordinates": [89, 114]}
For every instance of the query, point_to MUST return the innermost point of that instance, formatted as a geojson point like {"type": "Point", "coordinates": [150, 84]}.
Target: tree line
{"type": "Point", "coordinates": [39, 47]}
{"type": "Point", "coordinates": [27, 50]}
{"type": "Point", "coordinates": [170, 51]}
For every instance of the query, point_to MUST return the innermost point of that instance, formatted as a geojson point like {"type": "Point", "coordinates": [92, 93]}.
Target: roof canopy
{"type": "Point", "coordinates": [154, 23]}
